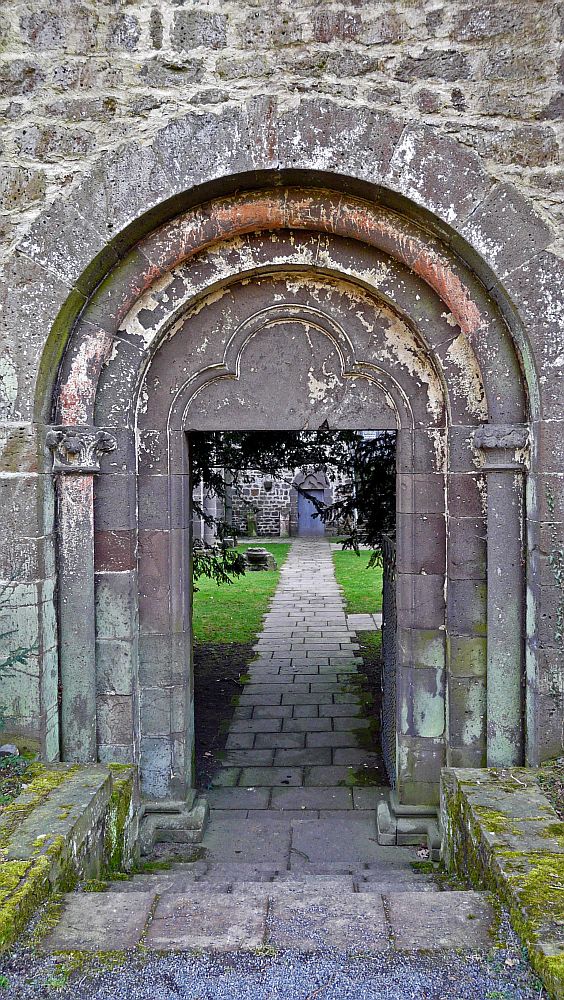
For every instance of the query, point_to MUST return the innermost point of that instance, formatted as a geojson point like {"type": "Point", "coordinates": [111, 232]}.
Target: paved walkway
{"type": "Point", "coordinates": [290, 857]}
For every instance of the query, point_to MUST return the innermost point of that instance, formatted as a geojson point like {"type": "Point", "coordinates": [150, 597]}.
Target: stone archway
{"type": "Point", "coordinates": [399, 333]}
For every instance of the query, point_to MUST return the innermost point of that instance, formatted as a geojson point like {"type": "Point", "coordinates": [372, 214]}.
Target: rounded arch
{"type": "Point", "coordinates": [437, 346]}
{"type": "Point", "coordinates": [100, 228]}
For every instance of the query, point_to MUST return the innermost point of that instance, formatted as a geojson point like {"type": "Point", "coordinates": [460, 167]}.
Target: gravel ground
{"type": "Point", "coordinates": [501, 975]}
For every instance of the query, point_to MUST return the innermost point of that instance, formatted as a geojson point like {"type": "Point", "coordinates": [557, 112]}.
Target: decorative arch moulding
{"type": "Point", "coordinates": [211, 226]}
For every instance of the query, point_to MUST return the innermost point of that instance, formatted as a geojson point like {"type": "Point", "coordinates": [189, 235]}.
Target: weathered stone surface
{"type": "Point", "coordinates": [201, 920]}
{"type": "Point", "coordinates": [309, 922]}
{"type": "Point", "coordinates": [500, 831]}
{"type": "Point", "coordinates": [436, 921]}
{"type": "Point", "coordinates": [102, 94]}
{"type": "Point", "coordinates": [101, 923]}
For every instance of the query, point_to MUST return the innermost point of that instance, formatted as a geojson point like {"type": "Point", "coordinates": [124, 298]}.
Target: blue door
{"type": "Point", "coordinates": [307, 523]}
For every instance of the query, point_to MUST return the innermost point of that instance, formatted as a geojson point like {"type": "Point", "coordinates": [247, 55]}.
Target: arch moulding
{"type": "Point", "coordinates": [461, 389]}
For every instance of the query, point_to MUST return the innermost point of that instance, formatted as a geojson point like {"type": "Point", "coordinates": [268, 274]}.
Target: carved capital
{"type": "Point", "coordinates": [78, 448]}
{"type": "Point", "coordinates": [501, 446]}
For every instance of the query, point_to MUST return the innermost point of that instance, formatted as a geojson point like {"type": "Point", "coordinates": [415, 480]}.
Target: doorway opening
{"type": "Point", "coordinates": [287, 532]}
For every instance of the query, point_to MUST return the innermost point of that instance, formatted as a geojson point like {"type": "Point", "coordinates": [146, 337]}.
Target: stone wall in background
{"type": "Point", "coordinates": [78, 78]}
{"type": "Point", "coordinates": [268, 504]}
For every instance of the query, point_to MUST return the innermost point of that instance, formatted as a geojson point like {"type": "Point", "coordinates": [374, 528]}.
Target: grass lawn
{"type": "Point", "coordinates": [233, 612]}
{"type": "Point", "coordinates": [362, 587]}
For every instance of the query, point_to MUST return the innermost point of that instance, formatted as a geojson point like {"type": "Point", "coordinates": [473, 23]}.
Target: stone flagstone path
{"type": "Point", "coordinates": [290, 857]}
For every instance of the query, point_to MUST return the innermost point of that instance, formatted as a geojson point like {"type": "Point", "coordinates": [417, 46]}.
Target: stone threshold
{"type": "Point", "coordinates": [500, 831]}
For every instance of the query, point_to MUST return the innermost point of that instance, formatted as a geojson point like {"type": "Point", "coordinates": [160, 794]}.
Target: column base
{"type": "Point", "coordinates": [399, 824]}
{"type": "Point", "coordinates": [173, 822]}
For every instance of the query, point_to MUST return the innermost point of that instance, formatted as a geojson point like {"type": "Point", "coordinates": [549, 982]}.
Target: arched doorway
{"type": "Point", "coordinates": [282, 310]}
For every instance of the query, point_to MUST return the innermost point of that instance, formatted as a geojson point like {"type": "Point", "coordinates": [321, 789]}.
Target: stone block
{"type": "Point", "coordinates": [115, 605]}
{"type": "Point", "coordinates": [193, 28]}
{"type": "Point", "coordinates": [20, 186]}
{"type": "Point", "coordinates": [209, 921]}
{"type": "Point", "coordinates": [259, 838]}
{"type": "Point", "coordinates": [263, 28]}
{"type": "Point", "coordinates": [386, 29]}
{"type": "Point", "coordinates": [311, 798]}
{"type": "Point", "coordinates": [20, 76]}
{"type": "Point", "coordinates": [115, 666]}
{"type": "Point", "coordinates": [419, 764]}
{"type": "Point", "coordinates": [467, 712]}
{"type": "Point", "coordinates": [440, 921]}
{"type": "Point", "coordinates": [467, 655]}
{"type": "Point", "coordinates": [523, 145]}
{"type": "Point", "coordinates": [420, 600]}
{"type": "Point", "coordinates": [421, 494]}
{"type": "Point", "coordinates": [263, 776]}
{"type": "Point", "coordinates": [467, 494]}
{"type": "Point", "coordinates": [331, 26]}
{"type": "Point", "coordinates": [505, 230]}
{"type": "Point", "coordinates": [114, 551]}
{"type": "Point", "coordinates": [322, 124]}
{"type": "Point", "coordinates": [238, 798]}
{"type": "Point", "coordinates": [433, 169]}
{"type": "Point", "coordinates": [94, 922]}
{"type": "Point", "coordinates": [344, 838]}
{"type": "Point", "coordinates": [124, 32]}
{"type": "Point", "coordinates": [31, 298]}
{"type": "Point", "coordinates": [467, 608]}
{"type": "Point", "coordinates": [421, 543]}
{"type": "Point", "coordinates": [49, 142]}
{"type": "Point", "coordinates": [421, 648]}
{"type": "Point", "coordinates": [114, 719]}
{"type": "Point", "coordinates": [114, 502]}
{"type": "Point", "coordinates": [156, 711]}
{"type": "Point", "coordinates": [467, 548]}
{"type": "Point", "coordinates": [156, 766]}
{"type": "Point", "coordinates": [450, 65]}
{"type": "Point", "coordinates": [484, 21]}
{"type": "Point", "coordinates": [422, 701]}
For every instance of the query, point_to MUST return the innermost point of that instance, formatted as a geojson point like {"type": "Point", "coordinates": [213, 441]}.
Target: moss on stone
{"type": "Point", "coordinates": [24, 889]}
{"type": "Point", "coordinates": [57, 861]}
{"type": "Point", "coordinates": [95, 885]}
{"type": "Point", "coordinates": [363, 777]}
{"type": "Point", "coordinates": [43, 781]}
{"type": "Point", "coordinates": [554, 831]}
{"type": "Point", "coordinates": [530, 883]}
{"type": "Point", "coordinates": [495, 821]}
{"type": "Point", "coordinates": [118, 816]}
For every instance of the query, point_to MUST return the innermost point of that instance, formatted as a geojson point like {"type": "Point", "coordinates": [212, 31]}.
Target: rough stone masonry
{"type": "Point", "coordinates": [276, 216]}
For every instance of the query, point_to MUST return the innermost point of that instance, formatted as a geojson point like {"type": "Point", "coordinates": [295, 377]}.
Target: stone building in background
{"type": "Point", "coordinates": [258, 504]}
{"type": "Point", "coordinates": [250, 215]}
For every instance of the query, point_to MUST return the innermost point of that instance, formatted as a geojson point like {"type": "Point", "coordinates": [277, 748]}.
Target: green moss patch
{"type": "Point", "coordinates": [57, 830]}
{"type": "Point", "coordinates": [503, 850]}
{"type": "Point", "coordinates": [23, 887]}
{"type": "Point", "coordinates": [41, 780]}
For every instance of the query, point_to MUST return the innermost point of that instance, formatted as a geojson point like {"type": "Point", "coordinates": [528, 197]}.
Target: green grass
{"type": "Point", "coordinates": [362, 587]}
{"type": "Point", "coordinates": [233, 612]}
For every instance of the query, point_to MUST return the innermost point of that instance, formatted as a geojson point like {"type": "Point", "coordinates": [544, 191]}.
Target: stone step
{"type": "Point", "coordinates": [281, 883]}
{"type": "Point", "coordinates": [247, 918]}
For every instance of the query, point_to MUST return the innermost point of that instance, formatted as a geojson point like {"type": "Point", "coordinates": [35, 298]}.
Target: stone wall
{"type": "Point", "coordinates": [407, 152]}
{"type": "Point", "coordinates": [269, 504]}
{"type": "Point", "coordinates": [80, 78]}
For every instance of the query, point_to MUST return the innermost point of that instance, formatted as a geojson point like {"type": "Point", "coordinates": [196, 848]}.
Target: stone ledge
{"type": "Point", "coordinates": [92, 818]}
{"type": "Point", "coordinates": [500, 831]}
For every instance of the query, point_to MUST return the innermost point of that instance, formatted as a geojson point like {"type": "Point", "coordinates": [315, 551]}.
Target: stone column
{"type": "Point", "coordinates": [502, 453]}
{"type": "Point", "coordinates": [76, 457]}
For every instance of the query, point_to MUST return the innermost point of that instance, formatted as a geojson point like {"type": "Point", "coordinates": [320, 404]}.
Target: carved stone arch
{"type": "Point", "coordinates": [135, 323]}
